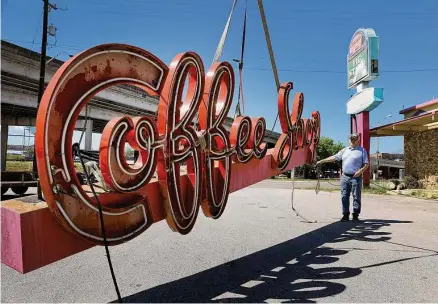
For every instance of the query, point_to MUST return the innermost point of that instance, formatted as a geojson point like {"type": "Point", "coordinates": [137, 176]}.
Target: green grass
{"type": "Point", "coordinates": [313, 188]}
{"type": "Point", "coordinates": [305, 179]}
{"type": "Point", "coordinates": [78, 167]}
{"type": "Point", "coordinates": [364, 190]}
{"type": "Point", "coordinates": [375, 191]}
{"type": "Point", "coordinates": [14, 157]}
{"type": "Point", "coordinates": [12, 165]}
{"type": "Point", "coordinates": [282, 179]}
{"type": "Point", "coordinates": [419, 193]}
{"type": "Point", "coordinates": [326, 189]}
{"type": "Point", "coordinates": [428, 194]}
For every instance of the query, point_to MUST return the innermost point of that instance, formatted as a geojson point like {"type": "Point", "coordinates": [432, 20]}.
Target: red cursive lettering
{"type": "Point", "coordinates": [297, 132]}
{"type": "Point", "coordinates": [175, 112]}
{"type": "Point", "coordinates": [142, 135]}
{"type": "Point", "coordinates": [165, 148]}
{"type": "Point", "coordinates": [218, 97]}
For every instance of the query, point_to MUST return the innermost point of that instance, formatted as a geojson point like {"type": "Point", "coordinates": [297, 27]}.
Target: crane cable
{"type": "Point", "coordinates": [274, 70]}
{"type": "Point", "coordinates": [238, 112]}
{"type": "Point", "coordinates": [219, 51]}
{"type": "Point", "coordinates": [220, 46]}
{"type": "Point", "coordinates": [277, 83]}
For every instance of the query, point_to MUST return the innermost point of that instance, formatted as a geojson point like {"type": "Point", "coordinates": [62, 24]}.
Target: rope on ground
{"type": "Point", "coordinates": [292, 200]}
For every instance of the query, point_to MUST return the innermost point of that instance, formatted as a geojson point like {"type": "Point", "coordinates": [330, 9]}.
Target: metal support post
{"type": "Point", "coordinates": [4, 146]}
{"type": "Point", "coordinates": [89, 135]}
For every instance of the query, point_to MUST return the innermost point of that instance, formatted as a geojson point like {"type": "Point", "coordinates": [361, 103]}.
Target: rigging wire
{"type": "Point", "coordinates": [85, 125]}
{"type": "Point", "coordinates": [220, 46]}
{"type": "Point", "coordinates": [240, 94]}
{"type": "Point", "coordinates": [277, 82]}
{"type": "Point", "coordinates": [77, 151]}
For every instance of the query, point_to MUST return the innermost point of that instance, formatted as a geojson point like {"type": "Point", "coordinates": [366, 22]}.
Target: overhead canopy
{"type": "Point", "coordinates": [424, 122]}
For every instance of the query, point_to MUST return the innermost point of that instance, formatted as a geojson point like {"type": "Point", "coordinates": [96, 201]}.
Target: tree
{"type": "Point", "coordinates": [28, 152]}
{"type": "Point", "coordinates": [326, 147]}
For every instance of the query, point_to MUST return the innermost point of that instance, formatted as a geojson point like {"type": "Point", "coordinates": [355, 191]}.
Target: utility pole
{"type": "Point", "coordinates": [47, 5]}
{"type": "Point", "coordinates": [42, 66]}
{"type": "Point", "coordinates": [379, 123]}
{"type": "Point", "coordinates": [42, 75]}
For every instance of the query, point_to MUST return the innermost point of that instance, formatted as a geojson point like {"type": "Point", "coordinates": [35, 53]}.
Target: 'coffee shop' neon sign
{"type": "Point", "coordinates": [209, 154]}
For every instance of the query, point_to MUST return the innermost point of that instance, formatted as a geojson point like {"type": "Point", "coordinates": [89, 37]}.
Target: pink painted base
{"type": "Point", "coordinates": [31, 237]}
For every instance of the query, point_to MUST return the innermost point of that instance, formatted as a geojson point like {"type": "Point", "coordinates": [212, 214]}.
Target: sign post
{"type": "Point", "coordinates": [362, 68]}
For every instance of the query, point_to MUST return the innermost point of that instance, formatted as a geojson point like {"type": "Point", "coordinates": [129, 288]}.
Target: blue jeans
{"type": "Point", "coordinates": [348, 185]}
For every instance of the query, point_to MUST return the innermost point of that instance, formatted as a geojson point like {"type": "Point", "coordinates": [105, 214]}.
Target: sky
{"type": "Point", "coordinates": [310, 41]}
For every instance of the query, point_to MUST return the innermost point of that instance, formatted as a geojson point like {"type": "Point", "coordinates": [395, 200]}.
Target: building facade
{"type": "Point", "coordinates": [420, 131]}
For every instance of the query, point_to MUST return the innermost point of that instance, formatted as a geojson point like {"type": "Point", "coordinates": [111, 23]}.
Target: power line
{"type": "Point", "coordinates": [127, 4]}
{"type": "Point", "coordinates": [343, 61]}
{"type": "Point", "coordinates": [81, 48]}
{"type": "Point", "coordinates": [333, 21]}
{"type": "Point", "coordinates": [143, 10]}
{"type": "Point", "coordinates": [144, 14]}
{"type": "Point", "coordinates": [375, 13]}
{"type": "Point", "coordinates": [410, 71]}
{"type": "Point", "coordinates": [78, 48]}
{"type": "Point", "coordinates": [342, 72]}
{"type": "Point", "coordinates": [38, 26]}
{"type": "Point", "coordinates": [306, 11]}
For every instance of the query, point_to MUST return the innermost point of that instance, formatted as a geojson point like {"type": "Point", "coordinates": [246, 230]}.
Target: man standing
{"type": "Point", "coordinates": [354, 163]}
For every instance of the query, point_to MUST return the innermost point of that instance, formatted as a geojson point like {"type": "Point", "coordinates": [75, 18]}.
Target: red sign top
{"type": "Point", "coordinates": [357, 44]}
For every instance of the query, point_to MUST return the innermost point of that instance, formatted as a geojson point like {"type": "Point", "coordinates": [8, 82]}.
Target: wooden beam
{"type": "Point", "coordinates": [409, 128]}
{"type": "Point", "coordinates": [389, 132]}
{"type": "Point", "coordinates": [433, 125]}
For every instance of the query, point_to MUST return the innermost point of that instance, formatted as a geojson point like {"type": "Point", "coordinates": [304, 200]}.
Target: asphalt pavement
{"type": "Point", "coordinates": [299, 184]}
{"type": "Point", "coordinates": [259, 251]}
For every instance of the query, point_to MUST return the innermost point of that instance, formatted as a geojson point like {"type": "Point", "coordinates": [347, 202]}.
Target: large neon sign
{"type": "Point", "coordinates": [209, 154]}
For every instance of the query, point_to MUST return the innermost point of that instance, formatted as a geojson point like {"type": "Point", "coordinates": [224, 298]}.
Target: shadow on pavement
{"type": "Point", "coordinates": [282, 271]}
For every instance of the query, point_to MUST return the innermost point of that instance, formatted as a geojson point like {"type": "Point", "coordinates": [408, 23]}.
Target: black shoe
{"type": "Point", "coordinates": [355, 217]}
{"type": "Point", "coordinates": [345, 218]}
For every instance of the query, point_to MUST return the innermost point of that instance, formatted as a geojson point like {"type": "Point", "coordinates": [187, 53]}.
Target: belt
{"type": "Point", "coordinates": [348, 175]}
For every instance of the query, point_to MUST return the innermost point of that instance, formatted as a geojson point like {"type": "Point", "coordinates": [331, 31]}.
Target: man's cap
{"type": "Point", "coordinates": [354, 136]}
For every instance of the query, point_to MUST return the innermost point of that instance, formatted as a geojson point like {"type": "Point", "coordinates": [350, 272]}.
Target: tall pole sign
{"type": "Point", "coordinates": [362, 59]}
{"type": "Point", "coordinates": [362, 68]}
